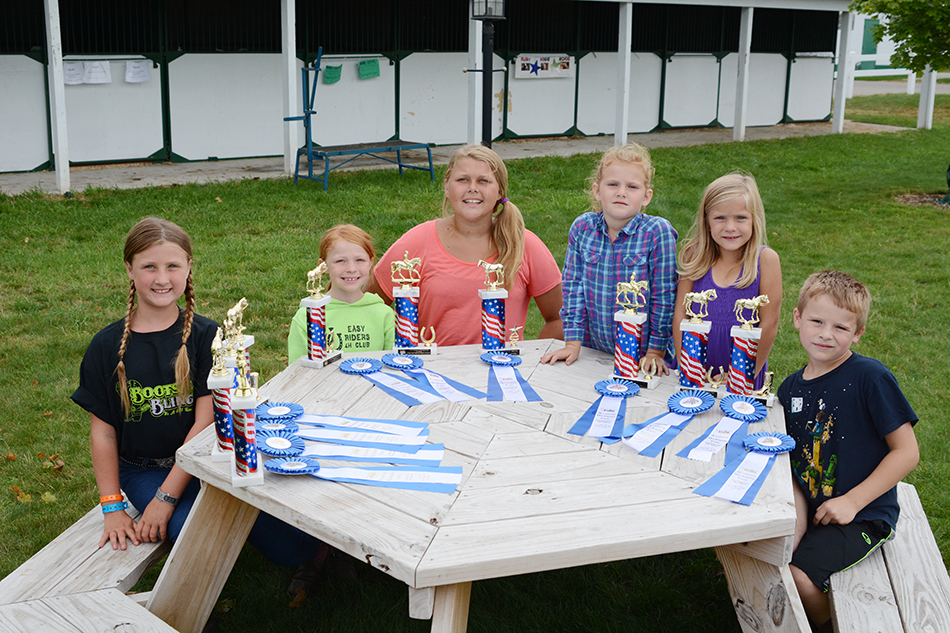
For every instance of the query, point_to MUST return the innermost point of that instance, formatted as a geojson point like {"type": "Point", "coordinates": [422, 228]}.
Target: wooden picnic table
{"type": "Point", "coordinates": [532, 497]}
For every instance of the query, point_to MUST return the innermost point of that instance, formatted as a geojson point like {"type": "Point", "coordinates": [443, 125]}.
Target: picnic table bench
{"type": "Point", "coordinates": [73, 563]}
{"type": "Point", "coordinates": [102, 610]}
{"type": "Point", "coordinates": [903, 586]}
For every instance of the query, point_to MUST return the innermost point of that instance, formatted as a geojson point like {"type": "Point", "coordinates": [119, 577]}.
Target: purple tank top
{"type": "Point", "coordinates": [723, 317]}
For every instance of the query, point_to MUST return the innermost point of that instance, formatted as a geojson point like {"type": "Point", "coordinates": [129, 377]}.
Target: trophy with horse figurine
{"type": "Point", "coordinates": [629, 333]}
{"type": "Point", "coordinates": [493, 311]}
{"type": "Point", "coordinates": [320, 352]}
{"type": "Point", "coordinates": [406, 300]}
{"type": "Point", "coordinates": [692, 358]}
{"type": "Point", "coordinates": [745, 344]}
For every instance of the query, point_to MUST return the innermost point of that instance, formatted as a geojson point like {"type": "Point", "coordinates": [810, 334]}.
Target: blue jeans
{"type": "Point", "coordinates": [279, 543]}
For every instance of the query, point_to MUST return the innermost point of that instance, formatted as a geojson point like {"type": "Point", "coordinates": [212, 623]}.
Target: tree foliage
{"type": "Point", "coordinates": [920, 30]}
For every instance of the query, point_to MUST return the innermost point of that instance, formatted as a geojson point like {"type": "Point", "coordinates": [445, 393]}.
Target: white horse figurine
{"type": "Point", "coordinates": [315, 280]}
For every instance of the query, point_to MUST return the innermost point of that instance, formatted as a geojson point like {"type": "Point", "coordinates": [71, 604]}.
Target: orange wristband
{"type": "Point", "coordinates": [110, 498]}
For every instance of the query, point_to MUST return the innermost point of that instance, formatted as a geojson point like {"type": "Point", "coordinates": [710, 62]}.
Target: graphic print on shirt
{"type": "Point", "coordinates": [818, 474]}
{"type": "Point", "coordinates": [160, 400]}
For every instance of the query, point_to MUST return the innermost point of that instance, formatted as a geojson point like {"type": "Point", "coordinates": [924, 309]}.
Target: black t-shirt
{"type": "Point", "coordinates": [839, 421]}
{"type": "Point", "coordinates": [159, 422]}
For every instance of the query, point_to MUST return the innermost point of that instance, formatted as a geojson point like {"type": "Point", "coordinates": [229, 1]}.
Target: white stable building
{"type": "Point", "coordinates": [94, 81]}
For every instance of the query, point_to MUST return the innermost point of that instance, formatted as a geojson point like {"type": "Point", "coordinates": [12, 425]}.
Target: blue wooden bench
{"type": "Point", "coordinates": [313, 152]}
{"type": "Point", "coordinates": [317, 153]}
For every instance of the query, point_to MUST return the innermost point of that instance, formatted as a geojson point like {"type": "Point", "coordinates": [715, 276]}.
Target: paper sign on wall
{"type": "Point", "coordinates": [72, 73]}
{"type": "Point", "coordinates": [137, 71]}
{"type": "Point", "coordinates": [97, 72]}
{"type": "Point", "coordinates": [332, 74]}
{"type": "Point", "coordinates": [369, 68]}
{"type": "Point", "coordinates": [544, 66]}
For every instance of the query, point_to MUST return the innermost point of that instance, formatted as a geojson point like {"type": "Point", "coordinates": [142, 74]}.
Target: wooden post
{"type": "Point", "coordinates": [742, 79]}
{"type": "Point", "coordinates": [450, 613]}
{"type": "Point", "coordinates": [57, 95]}
{"type": "Point", "coordinates": [199, 565]}
{"type": "Point", "coordinates": [841, 85]}
{"type": "Point", "coordinates": [289, 75]}
{"type": "Point", "coordinates": [624, 43]}
{"type": "Point", "coordinates": [764, 596]}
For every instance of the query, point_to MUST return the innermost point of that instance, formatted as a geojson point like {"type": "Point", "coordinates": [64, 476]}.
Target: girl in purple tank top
{"type": "Point", "coordinates": [725, 251]}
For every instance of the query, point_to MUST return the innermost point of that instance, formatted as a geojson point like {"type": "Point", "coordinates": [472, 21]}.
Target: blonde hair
{"type": "Point", "coordinates": [346, 233]}
{"type": "Point", "coordinates": [700, 251]}
{"type": "Point", "coordinates": [507, 233]}
{"type": "Point", "coordinates": [631, 153]}
{"type": "Point", "coordinates": [844, 290]}
{"type": "Point", "coordinates": [147, 233]}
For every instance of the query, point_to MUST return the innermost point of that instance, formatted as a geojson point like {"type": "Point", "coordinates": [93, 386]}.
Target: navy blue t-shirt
{"type": "Point", "coordinates": [839, 422]}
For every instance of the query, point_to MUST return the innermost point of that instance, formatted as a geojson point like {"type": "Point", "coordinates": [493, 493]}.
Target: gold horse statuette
{"type": "Point", "coordinates": [750, 304]}
{"type": "Point", "coordinates": [498, 270]}
{"type": "Point", "coordinates": [630, 294]}
{"type": "Point", "coordinates": [404, 272]}
{"type": "Point", "coordinates": [315, 280]}
{"type": "Point", "coordinates": [702, 298]}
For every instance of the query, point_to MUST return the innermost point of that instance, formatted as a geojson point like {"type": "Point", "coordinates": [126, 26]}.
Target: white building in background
{"type": "Point", "coordinates": [219, 76]}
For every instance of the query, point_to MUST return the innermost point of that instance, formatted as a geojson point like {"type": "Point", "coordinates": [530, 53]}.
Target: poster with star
{"type": "Point", "coordinates": [544, 66]}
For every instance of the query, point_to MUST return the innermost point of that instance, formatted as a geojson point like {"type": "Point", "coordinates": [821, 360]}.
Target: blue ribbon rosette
{"type": "Point", "coordinates": [505, 382]}
{"type": "Point", "coordinates": [651, 437]}
{"type": "Point", "coordinates": [609, 411]}
{"type": "Point", "coordinates": [402, 361]}
{"type": "Point", "coordinates": [743, 408]}
{"type": "Point", "coordinates": [280, 443]}
{"type": "Point", "coordinates": [278, 411]}
{"type": "Point", "coordinates": [293, 466]}
{"type": "Point", "coordinates": [360, 366]}
{"type": "Point", "coordinates": [742, 478]}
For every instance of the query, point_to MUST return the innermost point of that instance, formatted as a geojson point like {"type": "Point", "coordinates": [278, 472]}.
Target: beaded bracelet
{"type": "Point", "coordinates": [110, 498]}
{"type": "Point", "coordinates": [114, 507]}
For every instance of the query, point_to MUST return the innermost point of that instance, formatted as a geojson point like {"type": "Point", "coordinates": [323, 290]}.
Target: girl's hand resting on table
{"type": "Point", "coordinates": [154, 521]}
{"type": "Point", "coordinates": [118, 527]}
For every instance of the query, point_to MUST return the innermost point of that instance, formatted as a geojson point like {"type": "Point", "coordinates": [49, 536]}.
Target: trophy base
{"type": "Point", "coordinates": [516, 351]}
{"type": "Point", "coordinates": [242, 481]}
{"type": "Point", "coordinates": [714, 390]}
{"type": "Point", "coordinates": [320, 364]}
{"type": "Point", "coordinates": [768, 400]}
{"type": "Point", "coordinates": [424, 350]}
{"type": "Point", "coordinates": [219, 456]}
{"type": "Point", "coordinates": [641, 381]}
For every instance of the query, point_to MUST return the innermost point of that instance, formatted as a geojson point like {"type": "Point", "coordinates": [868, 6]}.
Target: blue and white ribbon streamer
{"type": "Point", "coordinates": [505, 383]}
{"type": "Point", "coordinates": [293, 466]}
{"type": "Point", "coordinates": [604, 419]}
{"type": "Point", "coordinates": [651, 437]}
{"type": "Point", "coordinates": [443, 479]}
{"type": "Point", "coordinates": [276, 425]}
{"type": "Point", "coordinates": [408, 391]}
{"type": "Point", "coordinates": [352, 437]}
{"type": "Point", "coordinates": [727, 432]}
{"type": "Point", "coordinates": [428, 455]}
{"type": "Point", "coordinates": [366, 425]}
{"type": "Point", "coordinates": [741, 479]}
{"type": "Point", "coordinates": [449, 389]}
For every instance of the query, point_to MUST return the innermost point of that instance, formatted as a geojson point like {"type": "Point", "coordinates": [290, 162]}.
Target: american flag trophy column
{"type": "Point", "coordinates": [745, 344]}
{"type": "Point", "coordinates": [245, 470]}
{"type": "Point", "coordinates": [493, 309]}
{"type": "Point", "coordinates": [221, 380]}
{"type": "Point", "coordinates": [692, 359]}
{"type": "Point", "coordinates": [319, 339]}
{"type": "Point", "coordinates": [627, 338]}
{"type": "Point", "coordinates": [406, 300]}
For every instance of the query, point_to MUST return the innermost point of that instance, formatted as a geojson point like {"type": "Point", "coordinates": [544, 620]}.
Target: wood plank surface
{"type": "Point", "coordinates": [494, 548]}
{"type": "Point", "coordinates": [79, 563]}
{"type": "Point", "coordinates": [201, 559]}
{"type": "Point", "coordinates": [862, 599]}
{"type": "Point", "coordinates": [765, 596]}
{"type": "Point", "coordinates": [450, 613]}
{"type": "Point", "coordinates": [105, 610]}
{"type": "Point", "coordinates": [916, 569]}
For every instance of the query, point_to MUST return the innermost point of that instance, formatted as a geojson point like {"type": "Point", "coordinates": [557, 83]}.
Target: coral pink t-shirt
{"type": "Point", "coordinates": [448, 292]}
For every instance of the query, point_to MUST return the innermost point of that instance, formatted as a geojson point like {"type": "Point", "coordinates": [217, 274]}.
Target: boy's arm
{"type": "Point", "coordinates": [900, 460]}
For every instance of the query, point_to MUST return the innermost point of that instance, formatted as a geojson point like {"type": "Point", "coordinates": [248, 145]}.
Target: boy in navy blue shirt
{"type": "Point", "coordinates": [854, 436]}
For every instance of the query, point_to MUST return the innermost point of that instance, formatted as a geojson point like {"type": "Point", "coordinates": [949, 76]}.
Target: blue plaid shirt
{"type": "Point", "coordinates": [594, 266]}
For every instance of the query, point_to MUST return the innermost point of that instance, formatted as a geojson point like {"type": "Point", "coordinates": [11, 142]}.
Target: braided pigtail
{"type": "Point", "coordinates": [120, 367]}
{"type": "Point", "coordinates": [183, 363]}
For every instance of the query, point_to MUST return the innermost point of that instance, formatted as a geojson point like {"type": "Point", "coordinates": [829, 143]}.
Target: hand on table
{"type": "Point", "coordinates": [118, 527]}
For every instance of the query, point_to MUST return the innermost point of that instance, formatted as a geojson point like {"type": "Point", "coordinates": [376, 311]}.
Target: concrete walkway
{"type": "Point", "coordinates": [136, 175]}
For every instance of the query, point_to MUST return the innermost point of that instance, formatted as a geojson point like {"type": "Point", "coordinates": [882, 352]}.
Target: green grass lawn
{"type": "Point", "coordinates": [895, 109]}
{"type": "Point", "coordinates": [829, 203]}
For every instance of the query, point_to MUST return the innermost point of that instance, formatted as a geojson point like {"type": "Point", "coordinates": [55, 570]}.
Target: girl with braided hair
{"type": "Point", "coordinates": [143, 381]}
